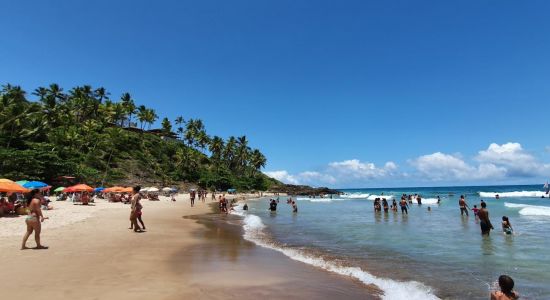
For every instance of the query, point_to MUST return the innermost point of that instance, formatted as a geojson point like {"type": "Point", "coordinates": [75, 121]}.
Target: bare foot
{"type": "Point", "coordinates": [41, 247]}
{"type": "Point", "coordinates": [24, 248]}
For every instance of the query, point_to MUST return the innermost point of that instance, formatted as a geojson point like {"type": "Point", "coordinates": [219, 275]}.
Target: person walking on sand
{"type": "Point", "coordinates": [192, 197]}
{"type": "Point", "coordinates": [484, 221]}
{"type": "Point", "coordinates": [506, 284]}
{"type": "Point", "coordinates": [34, 220]}
{"type": "Point", "coordinates": [134, 204]}
{"type": "Point", "coordinates": [463, 206]}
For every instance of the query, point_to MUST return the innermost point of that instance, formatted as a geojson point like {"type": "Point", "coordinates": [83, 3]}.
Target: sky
{"type": "Point", "coordinates": [334, 93]}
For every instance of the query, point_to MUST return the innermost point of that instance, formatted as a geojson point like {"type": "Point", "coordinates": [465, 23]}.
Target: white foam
{"type": "Point", "coordinates": [428, 201]}
{"type": "Point", "coordinates": [355, 196]}
{"type": "Point", "coordinates": [372, 197]}
{"type": "Point", "coordinates": [392, 289]}
{"type": "Point", "coordinates": [518, 194]}
{"type": "Point", "coordinates": [530, 210]}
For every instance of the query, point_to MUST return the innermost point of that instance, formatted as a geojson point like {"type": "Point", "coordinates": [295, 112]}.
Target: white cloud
{"type": "Point", "coordinates": [338, 174]}
{"type": "Point", "coordinates": [515, 159]}
{"type": "Point", "coordinates": [508, 161]}
{"type": "Point", "coordinates": [440, 166]}
{"type": "Point", "coordinates": [356, 169]}
{"type": "Point", "coordinates": [282, 176]}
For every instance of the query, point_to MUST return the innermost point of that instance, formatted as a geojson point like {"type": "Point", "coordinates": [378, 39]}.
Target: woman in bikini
{"type": "Point", "coordinates": [34, 220]}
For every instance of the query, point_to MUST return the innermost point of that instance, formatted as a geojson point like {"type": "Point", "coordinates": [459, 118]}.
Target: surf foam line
{"type": "Point", "coordinates": [517, 194]}
{"type": "Point", "coordinates": [530, 210]}
{"type": "Point", "coordinates": [355, 196]}
{"type": "Point", "coordinates": [411, 290]}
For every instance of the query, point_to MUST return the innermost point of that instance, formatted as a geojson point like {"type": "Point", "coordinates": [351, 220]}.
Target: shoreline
{"type": "Point", "coordinates": [186, 252]}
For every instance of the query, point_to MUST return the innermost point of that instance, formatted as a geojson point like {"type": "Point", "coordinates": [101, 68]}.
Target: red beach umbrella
{"type": "Point", "coordinates": [78, 188]}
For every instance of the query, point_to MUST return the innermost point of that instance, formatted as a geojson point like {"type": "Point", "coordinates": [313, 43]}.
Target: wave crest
{"type": "Point", "coordinates": [254, 232]}
{"type": "Point", "coordinates": [530, 210]}
{"type": "Point", "coordinates": [517, 194]}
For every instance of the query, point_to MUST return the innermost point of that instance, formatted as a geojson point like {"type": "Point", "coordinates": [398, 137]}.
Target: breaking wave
{"type": "Point", "coordinates": [517, 194]}
{"type": "Point", "coordinates": [254, 232]}
{"type": "Point", "coordinates": [530, 210]}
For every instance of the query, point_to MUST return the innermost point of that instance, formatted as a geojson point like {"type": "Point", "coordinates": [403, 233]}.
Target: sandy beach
{"type": "Point", "coordinates": [186, 252]}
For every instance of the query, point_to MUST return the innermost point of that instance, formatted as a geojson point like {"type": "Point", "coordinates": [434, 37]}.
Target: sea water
{"type": "Point", "coordinates": [423, 255]}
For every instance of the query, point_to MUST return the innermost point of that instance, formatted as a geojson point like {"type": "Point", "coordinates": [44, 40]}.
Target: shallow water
{"type": "Point", "coordinates": [438, 248]}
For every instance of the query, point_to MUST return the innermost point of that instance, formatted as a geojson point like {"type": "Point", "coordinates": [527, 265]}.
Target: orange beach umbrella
{"type": "Point", "coordinates": [8, 186]}
{"type": "Point", "coordinates": [78, 188]}
{"type": "Point", "coordinates": [118, 189]}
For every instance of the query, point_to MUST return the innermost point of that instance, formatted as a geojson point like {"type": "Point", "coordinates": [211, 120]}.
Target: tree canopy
{"type": "Point", "coordinates": [84, 133]}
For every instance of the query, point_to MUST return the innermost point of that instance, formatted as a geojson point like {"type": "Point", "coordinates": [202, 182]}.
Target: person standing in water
{"type": "Point", "coordinates": [294, 207]}
{"type": "Point", "coordinates": [506, 226]}
{"type": "Point", "coordinates": [463, 206]}
{"type": "Point", "coordinates": [484, 221]}
{"type": "Point", "coordinates": [506, 284]}
{"type": "Point", "coordinates": [34, 220]}
{"type": "Point", "coordinates": [134, 205]}
{"type": "Point", "coordinates": [404, 206]}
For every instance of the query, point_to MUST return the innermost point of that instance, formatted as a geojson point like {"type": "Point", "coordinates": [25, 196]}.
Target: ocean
{"type": "Point", "coordinates": [427, 254]}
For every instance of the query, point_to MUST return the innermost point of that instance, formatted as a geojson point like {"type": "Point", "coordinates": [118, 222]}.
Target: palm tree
{"type": "Point", "coordinates": [179, 121]}
{"type": "Point", "coordinates": [129, 107]}
{"type": "Point", "coordinates": [257, 160]}
{"type": "Point", "coordinates": [242, 151]}
{"type": "Point", "coordinates": [216, 147]}
{"type": "Point", "coordinates": [166, 126]}
{"type": "Point", "coordinates": [151, 117]}
{"type": "Point", "coordinates": [142, 115]}
{"type": "Point", "coordinates": [229, 151]}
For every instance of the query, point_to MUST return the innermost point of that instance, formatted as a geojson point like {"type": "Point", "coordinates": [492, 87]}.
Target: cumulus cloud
{"type": "Point", "coordinates": [356, 169]}
{"type": "Point", "coordinates": [338, 173]}
{"type": "Point", "coordinates": [282, 176]}
{"type": "Point", "coordinates": [440, 166]}
{"type": "Point", "coordinates": [517, 161]}
{"type": "Point", "coordinates": [497, 162]}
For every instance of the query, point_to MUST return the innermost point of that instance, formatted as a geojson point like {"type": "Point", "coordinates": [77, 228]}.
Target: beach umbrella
{"type": "Point", "coordinates": [79, 188]}
{"type": "Point", "coordinates": [99, 189]}
{"type": "Point", "coordinates": [34, 185]}
{"type": "Point", "coordinates": [21, 182]}
{"type": "Point", "coordinates": [12, 187]}
{"type": "Point", "coordinates": [167, 189]}
{"type": "Point", "coordinates": [6, 180]}
{"type": "Point", "coordinates": [59, 189]}
{"type": "Point", "coordinates": [153, 189]}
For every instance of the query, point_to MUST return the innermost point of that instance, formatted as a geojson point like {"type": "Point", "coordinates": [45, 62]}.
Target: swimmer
{"type": "Point", "coordinates": [506, 284]}
{"type": "Point", "coordinates": [506, 226]}
{"type": "Point", "coordinates": [438, 200]}
{"type": "Point", "coordinates": [429, 208]}
{"type": "Point", "coordinates": [245, 206]}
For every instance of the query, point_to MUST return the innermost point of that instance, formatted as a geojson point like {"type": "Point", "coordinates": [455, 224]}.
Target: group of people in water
{"type": "Point", "coordinates": [273, 204]}
{"type": "Point", "coordinates": [483, 216]}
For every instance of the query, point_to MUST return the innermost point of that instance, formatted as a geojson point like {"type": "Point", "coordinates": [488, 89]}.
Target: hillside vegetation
{"type": "Point", "coordinates": [82, 132]}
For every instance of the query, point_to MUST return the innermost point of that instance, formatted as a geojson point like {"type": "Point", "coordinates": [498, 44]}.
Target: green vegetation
{"type": "Point", "coordinates": [84, 133]}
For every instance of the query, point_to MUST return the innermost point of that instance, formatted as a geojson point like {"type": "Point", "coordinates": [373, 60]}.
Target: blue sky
{"type": "Point", "coordinates": [330, 91]}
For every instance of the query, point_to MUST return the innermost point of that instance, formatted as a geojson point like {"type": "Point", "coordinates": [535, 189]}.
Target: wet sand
{"type": "Point", "coordinates": [180, 256]}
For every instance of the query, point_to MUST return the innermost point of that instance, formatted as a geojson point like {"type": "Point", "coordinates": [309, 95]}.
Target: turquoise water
{"type": "Point", "coordinates": [439, 249]}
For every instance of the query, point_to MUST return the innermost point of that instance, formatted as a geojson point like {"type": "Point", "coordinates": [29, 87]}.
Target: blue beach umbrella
{"type": "Point", "coordinates": [21, 182]}
{"type": "Point", "coordinates": [99, 189]}
{"type": "Point", "coordinates": [34, 185]}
